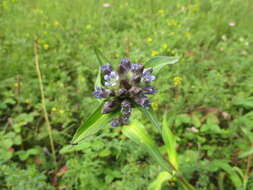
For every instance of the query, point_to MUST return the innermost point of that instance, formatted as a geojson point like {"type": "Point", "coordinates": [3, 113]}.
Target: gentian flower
{"type": "Point", "coordinates": [125, 88]}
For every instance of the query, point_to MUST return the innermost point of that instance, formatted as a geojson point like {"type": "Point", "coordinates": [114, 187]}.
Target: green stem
{"type": "Point", "coordinates": [43, 102]}
{"type": "Point", "coordinates": [152, 118]}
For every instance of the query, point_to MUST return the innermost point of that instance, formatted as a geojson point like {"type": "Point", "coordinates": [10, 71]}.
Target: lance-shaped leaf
{"type": "Point", "coordinates": [158, 62]}
{"type": "Point", "coordinates": [136, 132]}
{"type": "Point", "coordinates": [161, 178]}
{"type": "Point", "coordinates": [94, 123]}
{"type": "Point", "coordinates": [247, 153]}
{"type": "Point", "coordinates": [98, 80]}
{"type": "Point", "coordinates": [100, 57]}
{"type": "Point", "coordinates": [150, 115]}
{"type": "Point", "coordinates": [170, 142]}
{"type": "Point", "coordinates": [101, 60]}
{"type": "Point", "coordinates": [234, 177]}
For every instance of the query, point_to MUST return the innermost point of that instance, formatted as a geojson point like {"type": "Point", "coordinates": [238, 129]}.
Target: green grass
{"type": "Point", "coordinates": [213, 40]}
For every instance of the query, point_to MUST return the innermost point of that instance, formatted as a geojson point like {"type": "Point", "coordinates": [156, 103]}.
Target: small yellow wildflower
{"type": "Point", "coordinates": [155, 106]}
{"type": "Point", "coordinates": [62, 111]}
{"type": "Point", "coordinates": [149, 40]}
{"type": "Point", "coordinates": [45, 46]}
{"type": "Point", "coordinates": [27, 101]}
{"type": "Point", "coordinates": [161, 12]}
{"type": "Point", "coordinates": [154, 52]}
{"type": "Point", "coordinates": [177, 81]}
{"type": "Point", "coordinates": [53, 109]}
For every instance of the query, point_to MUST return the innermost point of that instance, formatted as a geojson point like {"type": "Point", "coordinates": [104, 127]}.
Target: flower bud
{"type": "Point", "coordinates": [136, 79]}
{"type": "Point", "coordinates": [125, 66]}
{"type": "Point", "coordinates": [142, 101]}
{"type": "Point", "coordinates": [147, 75]}
{"type": "Point", "coordinates": [115, 123]}
{"type": "Point", "coordinates": [111, 79]}
{"type": "Point", "coordinates": [126, 107]}
{"type": "Point", "coordinates": [101, 92]}
{"type": "Point", "coordinates": [125, 61]}
{"type": "Point", "coordinates": [125, 84]}
{"type": "Point", "coordinates": [110, 106]}
{"type": "Point", "coordinates": [106, 69]}
{"type": "Point", "coordinates": [124, 119]}
{"type": "Point", "coordinates": [121, 92]}
{"type": "Point", "coordinates": [134, 91]}
{"type": "Point", "coordinates": [149, 90]}
{"type": "Point", "coordinates": [137, 67]}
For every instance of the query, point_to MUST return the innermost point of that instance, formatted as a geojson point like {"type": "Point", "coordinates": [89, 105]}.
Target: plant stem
{"type": "Point", "coordinates": [49, 128]}
{"type": "Point", "coordinates": [150, 115]}
{"type": "Point", "coordinates": [181, 178]}
{"type": "Point", "coordinates": [185, 183]}
{"type": "Point", "coordinates": [248, 166]}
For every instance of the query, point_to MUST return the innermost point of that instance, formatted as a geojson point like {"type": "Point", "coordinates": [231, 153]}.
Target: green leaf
{"type": "Point", "coordinates": [98, 80]}
{"type": "Point", "coordinates": [73, 148]}
{"type": "Point", "coordinates": [150, 115]}
{"type": "Point", "coordinates": [24, 155]}
{"type": "Point", "coordinates": [245, 103]}
{"type": "Point", "coordinates": [136, 132]}
{"type": "Point", "coordinates": [104, 153]}
{"type": "Point", "coordinates": [247, 153]}
{"type": "Point", "coordinates": [236, 180]}
{"type": "Point", "coordinates": [101, 60]}
{"type": "Point", "coordinates": [161, 178]}
{"type": "Point", "coordinates": [158, 62]}
{"type": "Point", "coordinates": [100, 57]}
{"type": "Point", "coordinates": [170, 142]}
{"type": "Point", "coordinates": [94, 123]}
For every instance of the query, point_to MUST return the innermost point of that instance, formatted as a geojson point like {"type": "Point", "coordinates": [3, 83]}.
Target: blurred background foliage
{"type": "Point", "coordinates": [208, 94]}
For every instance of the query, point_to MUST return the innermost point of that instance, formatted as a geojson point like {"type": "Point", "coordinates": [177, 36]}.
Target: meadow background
{"type": "Point", "coordinates": [208, 95]}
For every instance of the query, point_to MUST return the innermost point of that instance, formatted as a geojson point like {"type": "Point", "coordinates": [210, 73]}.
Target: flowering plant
{"type": "Point", "coordinates": [123, 90]}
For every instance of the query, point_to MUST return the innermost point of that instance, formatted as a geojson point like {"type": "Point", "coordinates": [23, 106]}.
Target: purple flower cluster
{"type": "Point", "coordinates": [125, 87]}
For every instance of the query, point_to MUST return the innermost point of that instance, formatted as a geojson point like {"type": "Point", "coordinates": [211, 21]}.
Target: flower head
{"type": "Point", "coordinates": [125, 88]}
{"type": "Point", "coordinates": [177, 81]}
